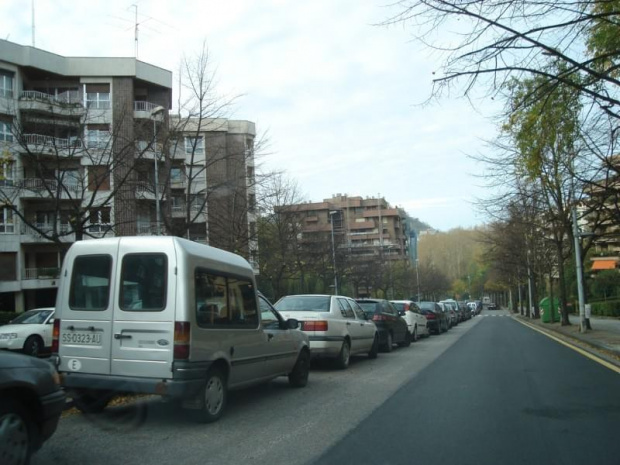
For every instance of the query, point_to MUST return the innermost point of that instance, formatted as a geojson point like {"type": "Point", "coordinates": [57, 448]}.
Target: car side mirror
{"type": "Point", "coordinates": [292, 323]}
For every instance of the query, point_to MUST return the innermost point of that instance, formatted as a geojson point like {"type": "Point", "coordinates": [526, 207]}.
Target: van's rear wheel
{"type": "Point", "coordinates": [214, 396]}
{"type": "Point", "coordinates": [90, 400]}
{"type": "Point", "coordinates": [299, 376]}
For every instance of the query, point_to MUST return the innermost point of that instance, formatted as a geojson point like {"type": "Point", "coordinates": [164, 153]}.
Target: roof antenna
{"type": "Point", "coordinates": [32, 5]}
{"type": "Point", "coordinates": [136, 30]}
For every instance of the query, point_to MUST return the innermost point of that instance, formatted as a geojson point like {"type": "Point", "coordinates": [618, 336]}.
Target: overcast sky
{"type": "Point", "coordinates": [338, 96]}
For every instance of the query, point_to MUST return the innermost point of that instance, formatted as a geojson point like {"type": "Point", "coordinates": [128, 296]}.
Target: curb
{"type": "Point", "coordinates": [593, 348]}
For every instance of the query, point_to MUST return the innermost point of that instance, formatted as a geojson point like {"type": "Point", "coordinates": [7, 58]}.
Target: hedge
{"type": "Point", "coordinates": [606, 308]}
{"type": "Point", "coordinates": [5, 317]}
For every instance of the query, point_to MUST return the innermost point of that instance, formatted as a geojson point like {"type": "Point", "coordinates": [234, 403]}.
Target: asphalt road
{"type": "Point", "coordinates": [488, 391]}
{"type": "Point", "coordinates": [503, 394]}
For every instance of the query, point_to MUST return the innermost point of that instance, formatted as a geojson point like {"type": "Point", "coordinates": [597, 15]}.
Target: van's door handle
{"type": "Point", "coordinates": [122, 336]}
{"type": "Point", "coordinates": [348, 324]}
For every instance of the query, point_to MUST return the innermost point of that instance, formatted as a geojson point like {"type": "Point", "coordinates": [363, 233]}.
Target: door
{"type": "Point", "coordinates": [85, 307]}
{"type": "Point", "coordinates": [367, 329]}
{"type": "Point", "coordinates": [281, 348]}
{"type": "Point", "coordinates": [144, 308]}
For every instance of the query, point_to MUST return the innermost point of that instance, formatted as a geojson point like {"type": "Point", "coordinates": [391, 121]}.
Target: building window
{"type": "Point", "coordinates": [197, 203]}
{"type": "Point", "coordinates": [7, 177]}
{"type": "Point", "coordinates": [195, 145]}
{"type": "Point", "coordinates": [7, 225]}
{"type": "Point", "coordinates": [251, 203]}
{"type": "Point", "coordinates": [8, 266]}
{"type": "Point", "coordinates": [99, 219]}
{"type": "Point", "coordinates": [6, 84]}
{"type": "Point", "coordinates": [97, 96]}
{"type": "Point", "coordinates": [176, 176]}
{"type": "Point", "coordinates": [178, 203]}
{"type": "Point", "coordinates": [98, 178]}
{"type": "Point", "coordinates": [98, 136]}
{"type": "Point", "coordinates": [70, 179]}
{"type": "Point", "coordinates": [5, 131]}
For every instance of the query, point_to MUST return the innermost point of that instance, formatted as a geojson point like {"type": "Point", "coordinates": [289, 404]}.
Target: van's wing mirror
{"type": "Point", "coordinates": [292, 323]}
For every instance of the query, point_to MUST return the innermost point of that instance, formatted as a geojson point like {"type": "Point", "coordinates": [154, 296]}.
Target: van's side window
{"type": "Point", "coordinates": [224, 301]}
{"type": "Point", "coordinates": [90, 283]}
{"type": "Point", "coordinates": [143, 282]}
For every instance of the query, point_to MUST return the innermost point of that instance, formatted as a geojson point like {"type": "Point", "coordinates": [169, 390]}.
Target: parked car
{"type": "Point", "coordinates": [436, 319]}
{"type": "Point", "coordinates": [416, 322]}
{"type": "Point", "coordinates": [167, 316]}
{"type": "Point", "coordinates": [31, 402]}
{"type": "Point", "coordinates": [30, 332]}
{"type": "Point", "coordinates": [392, 328]}
{"type": "Point", "coordinates": [446, 310]}
{"type": "Point", "coordinates": [451, 309]}
{"type": "Point", "coordinates": [336, 326]}
{"type": "Point", "coordinates": [465, 310]}
{"type": "Point", "coordinates": [473, 308]}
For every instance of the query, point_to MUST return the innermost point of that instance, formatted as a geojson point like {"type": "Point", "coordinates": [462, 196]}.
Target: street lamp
{"type": "Point", "coordinates": [331, 218]}
{"type": "Point", "coordinates": [417, 272]}
{"type": "Point", "coordinates": [154, 113]}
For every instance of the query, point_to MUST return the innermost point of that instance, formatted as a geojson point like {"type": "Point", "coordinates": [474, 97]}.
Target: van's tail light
{"type": "Point", "coordinates": [55, 335]}
{"type": "Point", "coordinates": [379, 318]}
{"type": "Point", "coordinates": [181, 340]}
{"type": "Point", "coordinates": [319, 325]}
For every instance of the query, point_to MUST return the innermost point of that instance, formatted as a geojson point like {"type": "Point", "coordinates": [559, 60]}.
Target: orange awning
{"type": "Point", "coordinates": [604, 265]}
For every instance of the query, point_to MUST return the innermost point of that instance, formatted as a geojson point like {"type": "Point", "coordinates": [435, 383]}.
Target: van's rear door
{"type": "Point", "coordinates": [144, 309]}
{"type": "Point", "coordinates": [86, 300]}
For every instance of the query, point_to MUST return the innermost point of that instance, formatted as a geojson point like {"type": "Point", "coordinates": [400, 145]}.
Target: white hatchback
{"type": "Point", "coordinates": [336, 326]}
{"type": "Point", "coordinates": [30, 332]}
{"type": "Point", "coordinates": [416, 322]}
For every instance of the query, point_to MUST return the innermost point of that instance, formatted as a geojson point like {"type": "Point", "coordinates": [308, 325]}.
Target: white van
{"type": "Point", "coordinates": [164, 315]}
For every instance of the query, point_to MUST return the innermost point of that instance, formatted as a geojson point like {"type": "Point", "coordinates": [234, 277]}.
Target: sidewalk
{"type": "Point", "coordinates": [603, 340]}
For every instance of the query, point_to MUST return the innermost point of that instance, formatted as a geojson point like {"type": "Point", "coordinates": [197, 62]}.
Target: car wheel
{"type": "Point", "coordinates": [33, 346]}
{"type": "Point", "coordinates": [91, 401]}
{"type": "Point", "coordinates": [415, 337]}
{"type": "Point", "coordinates": [388, 346]}
{"type": "Point", "coordinates": [214, 396]}
{"type": "Point", "coordinates": [374, 349]}
{"type": "Point", "coordinates": [17, 433]}
{"type": "Point", "coordinates": [344, 356]}
{"type": "Point", "coordinates": [299, 376]}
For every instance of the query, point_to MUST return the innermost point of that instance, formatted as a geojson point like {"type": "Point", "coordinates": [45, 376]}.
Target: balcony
{"type": "Point", "coordinates": [67, 103]}
{"type": "Point", "coordinates": [46, 188]}
{"type": "Point", "coordinates": [31, 235]}
{"type": "Point", "coordinates": [41, 273]}
{"type": "Point", "coordinates": [55, 146]}
{"type": "Point", "coordinates": [143, 110]}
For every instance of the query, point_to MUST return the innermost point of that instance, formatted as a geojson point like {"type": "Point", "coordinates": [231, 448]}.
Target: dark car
{"type": "Point", "coordinates": [436, 319]}
{"type": "Point", "coordinates": [391, 327]}
{"type": "Point", "coordinates": [31, 402]}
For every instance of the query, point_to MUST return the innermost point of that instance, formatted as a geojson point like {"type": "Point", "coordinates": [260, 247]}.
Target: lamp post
{"type": "Point", "coordinates": [154, 113]}
{"type": "Point", "coordinates": [331, 218]}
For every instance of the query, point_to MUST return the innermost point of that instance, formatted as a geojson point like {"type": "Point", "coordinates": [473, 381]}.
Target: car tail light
{"type": "Point", "coordinates": [319, 325]}
{"type": "Point", "coordinates": [55, 335]}
{"type": "Point", "coordinates": [181, 340]}
{"type": "Point", "coordinates": [379, 318]}
{"type": "Point", "coordinates": [429, 316]}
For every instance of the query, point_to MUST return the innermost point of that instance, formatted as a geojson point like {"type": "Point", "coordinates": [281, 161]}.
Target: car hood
{"type": "Point", "coordinates": [12, 360]}
{"type": "Point", "coordinates": [19, 329]}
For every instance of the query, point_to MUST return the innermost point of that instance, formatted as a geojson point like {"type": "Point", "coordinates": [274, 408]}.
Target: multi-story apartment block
{"type": "Point", "coordinates": [88, 150]}
{"type": "Point", "coordinates": [371, 226]}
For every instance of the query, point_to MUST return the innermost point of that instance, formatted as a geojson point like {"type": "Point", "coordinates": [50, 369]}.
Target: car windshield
{"type": "Point", "coordinates": [32, 317]}
{"type": "Point", "coordinates": [304, 303]}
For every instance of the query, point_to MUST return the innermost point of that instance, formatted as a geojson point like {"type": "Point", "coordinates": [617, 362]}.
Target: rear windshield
{"type": "Point", "coordinates": [368, 307]}
{"type": "Point", "coordinates": [427, 305]}
{"type": "Point", "coordinates": [143, 279]}
{"type": "Point", "coordinates": [399, 306]}
{"type": "Point", "coordinates": [90, 283]}
{"type": "Point", "coordinates": [303, 303]}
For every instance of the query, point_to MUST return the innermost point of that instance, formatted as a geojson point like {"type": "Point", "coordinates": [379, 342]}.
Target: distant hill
{"type": "Point", "coordinates": [419, 225]}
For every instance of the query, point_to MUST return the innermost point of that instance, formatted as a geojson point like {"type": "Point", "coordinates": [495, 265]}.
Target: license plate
{"type": "Point", "coordinates": [86, 339]}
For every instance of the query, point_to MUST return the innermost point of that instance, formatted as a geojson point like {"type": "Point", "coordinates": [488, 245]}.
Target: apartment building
{"type": "Point", "coordinates": [371, 226]}
{"type": "Point", "coordinates": [88, 150]}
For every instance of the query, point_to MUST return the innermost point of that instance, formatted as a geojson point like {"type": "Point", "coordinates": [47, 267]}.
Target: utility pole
{"type": "Point", "coordinates": [331, 218]}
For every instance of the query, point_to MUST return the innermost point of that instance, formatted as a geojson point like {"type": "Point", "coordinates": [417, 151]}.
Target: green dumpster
{"type": "Point", "coordinates": [549, 313]}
